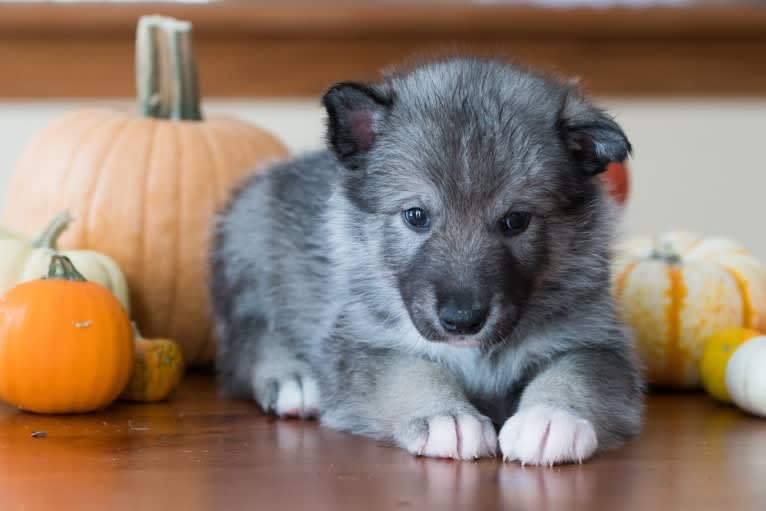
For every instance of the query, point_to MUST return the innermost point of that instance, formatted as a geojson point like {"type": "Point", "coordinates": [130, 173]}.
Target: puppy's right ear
{"type": "Point", "coordinates": [592, 137]}
{"type": "Point", "coordinates": [354, 115]}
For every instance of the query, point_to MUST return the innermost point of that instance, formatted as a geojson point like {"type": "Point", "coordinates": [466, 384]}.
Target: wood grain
{"type": "Point", "coordinates": [270, 48]}
{"type": "Point", "coordinates": [200, 452]}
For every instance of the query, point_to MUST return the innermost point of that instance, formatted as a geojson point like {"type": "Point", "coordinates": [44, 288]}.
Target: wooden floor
{"type": "Point", "coordinates": [199, 452]}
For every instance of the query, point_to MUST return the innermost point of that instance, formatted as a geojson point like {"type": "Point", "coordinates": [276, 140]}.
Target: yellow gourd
{"type": "Point", "coordinates": [676, 290]}
{"type": "Point", "coordinates": [158, 370]}
{"type": "Point", "coordinates": [716, 353]}
{"type": "Point", "coordinates": [22, 260]}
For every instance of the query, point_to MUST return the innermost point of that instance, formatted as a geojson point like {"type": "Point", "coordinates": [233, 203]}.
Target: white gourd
{"type": "Point", "coordinates": [22, 260]}
{"type": "Point", "coordinates": [746, 376]}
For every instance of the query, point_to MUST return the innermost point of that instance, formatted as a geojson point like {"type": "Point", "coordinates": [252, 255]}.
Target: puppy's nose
{"type": "Point", "coordinates": [462, 317]}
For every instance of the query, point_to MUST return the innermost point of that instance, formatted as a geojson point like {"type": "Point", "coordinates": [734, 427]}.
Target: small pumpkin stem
{"type": "Point", "coordinates": [61, 268]}
{"type": "Point", "coordinates": [166, 74]}
{"type": "Point", "coordinates": [53, 230]}
{"type": "Point", "coordinates": [136, 339]}
{"type": "Point", "coordinates": [136, 331]}
{"type": "Point", "coordinates": [667, 254]}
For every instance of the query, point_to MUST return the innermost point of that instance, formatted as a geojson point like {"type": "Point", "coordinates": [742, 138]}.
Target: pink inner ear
{"type": "Point", "coordinates": [361, 129]}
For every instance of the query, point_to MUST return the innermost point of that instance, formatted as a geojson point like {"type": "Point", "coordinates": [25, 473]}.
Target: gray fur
{"type": "Point", "coordinates": [314, 273]}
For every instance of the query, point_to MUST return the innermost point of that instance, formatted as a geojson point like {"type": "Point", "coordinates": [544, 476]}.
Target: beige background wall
{"type": "Point", "coordinates": [698, 164]}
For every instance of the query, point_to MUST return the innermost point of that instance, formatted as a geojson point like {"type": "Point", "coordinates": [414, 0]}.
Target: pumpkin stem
{"type": "Point", "coordinates": [166, 74]}
{"type": "Point", "coordinates": [53, 230]}
{"type": "Point", "coordinates": [61, 268]}
{"type": "Point", "coordinates": [667, 254]}
{"type": "Point", "coordinates": [147, 72]}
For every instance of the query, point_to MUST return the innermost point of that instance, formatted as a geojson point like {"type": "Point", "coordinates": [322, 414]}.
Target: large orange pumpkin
{"type": "Point", "coordinates": [66, 345]}
{"type": "Point", "coordinates": [144, 188]}
{"type": "Point", "coordinates": [676, 290]}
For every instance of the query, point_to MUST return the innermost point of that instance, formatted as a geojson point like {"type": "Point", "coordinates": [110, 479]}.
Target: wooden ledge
{"type": "Point", "coordinates": [339, 19]}
{"type": "Point", "coordinates": [271, 48]}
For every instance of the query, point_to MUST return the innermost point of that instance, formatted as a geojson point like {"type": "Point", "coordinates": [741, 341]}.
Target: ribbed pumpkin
{"type": "Point", "coordinates": [676, 290]}
{"type": "Point", "coordinates": [144, 187]}
{"type": "Point", "coordinates": [66, 345]}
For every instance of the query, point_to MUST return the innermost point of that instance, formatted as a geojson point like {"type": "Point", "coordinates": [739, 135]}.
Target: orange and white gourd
{"type": "Point", "coordinates": [675, 290]}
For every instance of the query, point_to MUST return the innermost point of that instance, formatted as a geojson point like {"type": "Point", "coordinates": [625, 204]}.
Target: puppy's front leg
{"type": "Point", "coordinates": [583, 401]}
{"type": "Point", "coordinates": [410, 402]}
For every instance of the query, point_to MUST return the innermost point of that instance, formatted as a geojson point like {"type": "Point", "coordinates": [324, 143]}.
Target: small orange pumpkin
{"type": "Point", "coordinates": [66, 344]}
{"type": "Point", "coordinates": [145, 187]}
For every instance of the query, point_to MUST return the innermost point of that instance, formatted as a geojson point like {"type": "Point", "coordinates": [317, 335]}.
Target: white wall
{"type": "Point", "coordinates": [698, 165]}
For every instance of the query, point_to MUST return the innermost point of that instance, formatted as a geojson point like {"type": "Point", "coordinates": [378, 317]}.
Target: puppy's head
{"type": "Point", "coordinates": [475, 184]}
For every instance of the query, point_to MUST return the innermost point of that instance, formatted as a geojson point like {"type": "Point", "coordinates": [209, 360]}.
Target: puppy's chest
{"type": "Point", "coordinates": [485, 378]}
{"type": "Point", "coordinates": [494, 387]}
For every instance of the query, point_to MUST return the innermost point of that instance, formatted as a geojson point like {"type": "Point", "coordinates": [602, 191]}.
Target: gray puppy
{"type": "Point", "coordinates": [441, 271]}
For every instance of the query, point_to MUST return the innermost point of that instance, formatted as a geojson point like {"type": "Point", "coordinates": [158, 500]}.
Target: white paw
{"type": "Point", "coordinates": [543, 435]}
{"type": "Point", "coordinates": [465, 437]}
{"type": "Point", "coordinates": [296, 396]}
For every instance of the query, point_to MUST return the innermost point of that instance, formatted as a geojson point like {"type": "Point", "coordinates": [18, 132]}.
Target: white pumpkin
{"type": "Point", "coordinates": [677, 289]}
{"type": "Point", "coordinates": [746, 376]}
{"type": "Point", "coordinates": [22, 260]}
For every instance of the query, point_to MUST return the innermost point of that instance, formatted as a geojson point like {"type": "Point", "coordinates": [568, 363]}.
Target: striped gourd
{"type": "Point", "coordinates": [675, 290]}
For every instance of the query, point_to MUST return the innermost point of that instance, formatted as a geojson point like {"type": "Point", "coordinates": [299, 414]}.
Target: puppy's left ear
{"type": "Point", "coordinates": [355, 112]}
{"type": "Point", "coordinates": [592, 137]}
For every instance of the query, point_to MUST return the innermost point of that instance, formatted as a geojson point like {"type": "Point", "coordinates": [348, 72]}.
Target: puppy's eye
{"type": "Point", "coordinates": [416, 218]}
{"type": "Point", "coordinates": [515, 223]}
